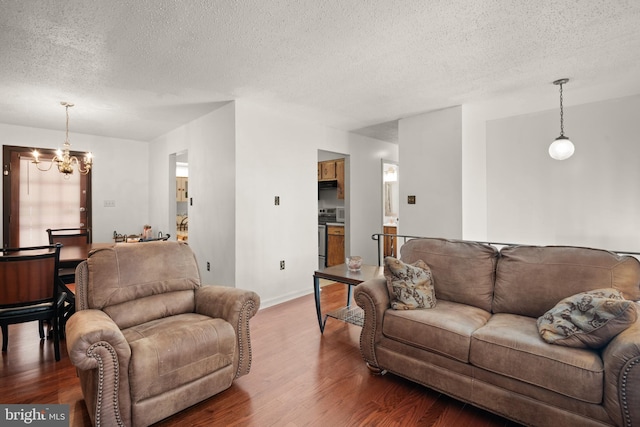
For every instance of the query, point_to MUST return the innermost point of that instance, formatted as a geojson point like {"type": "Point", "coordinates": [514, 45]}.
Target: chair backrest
{"type": "Point", "coordinates": [138, 282]}
{"type": "Point", "coordinates": [69, 236]}
{"type": "Point", "coordinates": [463, 271]}
{"type": "Point", "coordinates": [530, 280]}
{"type": "Point", "coordinates": [28, 276]}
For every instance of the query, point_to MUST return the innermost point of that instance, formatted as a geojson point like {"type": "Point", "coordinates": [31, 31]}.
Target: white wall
{"type": "Point", "coordinates": [277, 156]}
{"type": "Point", "coordinates": [120, 173]}
{"type": "Point", "coordinates": [590, 199]}
{"type": "Point", "coordinates": [240, 157]}
{"type": "Point", "coordinates": [365, 193]}
{"type": "Point", "coordinates": [431, 170]}
{"type": "Point", "coordinates": [210, 141]}
{"type": "Point", "coordinates": [474, 173]}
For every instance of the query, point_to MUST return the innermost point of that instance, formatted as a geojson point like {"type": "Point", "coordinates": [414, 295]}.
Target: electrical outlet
{"type": "Point", "coordinates": [208, 266]}
{"type": "Point", "coordinates": [277, 201]}
{"type": "Point", "coordinates": [282, 265]}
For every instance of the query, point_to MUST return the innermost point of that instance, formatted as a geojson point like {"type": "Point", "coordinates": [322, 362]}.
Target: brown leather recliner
{"type": "Point", "coordinates": [147, 339]}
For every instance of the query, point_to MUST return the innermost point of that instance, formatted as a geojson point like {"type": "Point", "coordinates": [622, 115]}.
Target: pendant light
{"type": "Point", "coordinates": [562, 148]}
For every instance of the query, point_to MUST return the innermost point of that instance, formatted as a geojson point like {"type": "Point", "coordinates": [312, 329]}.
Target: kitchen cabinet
{"type": "Point", "coordinates": [340, 177]}
{"type": "Point", "coordinates": [333, 170]}
{"type": "Point", "coordinates": [335, 245]}
{"type": "Point", "coordinates": [390, 242]}
{"type": "Point", "coordinates": [182, 189]}
{"type": "Point", "coordinates": [327, 170]}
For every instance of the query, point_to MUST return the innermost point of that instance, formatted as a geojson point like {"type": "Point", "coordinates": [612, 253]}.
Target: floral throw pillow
{"type": "Point", "coordinates": [410, 285]}
{"type": "Point", "coordinates": [588, 319]}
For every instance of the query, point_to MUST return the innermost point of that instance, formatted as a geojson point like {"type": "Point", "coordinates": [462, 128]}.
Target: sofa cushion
{"type": "Point", "coordinates": [588, 319]}
{"type": "Point", "coordinates": [462, 272]}
{"type": "Point", "coordinates": [445, 329]}
{"type": "Point", "coordinates": [167, 353]}
{"type": "Point", "coordinates": [510, 345]}
{"type": "Point", "coordinates": [531, 279]}
{"type": "Point", "coordinates": [410, 285]}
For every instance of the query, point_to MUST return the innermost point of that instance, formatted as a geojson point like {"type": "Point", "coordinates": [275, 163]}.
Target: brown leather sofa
{"type": "Point", "coordinates": [147, 339]}
{"type": "Point", "coordinates": [480, 344]}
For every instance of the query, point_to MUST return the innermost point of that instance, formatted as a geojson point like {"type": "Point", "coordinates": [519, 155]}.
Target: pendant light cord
{"type": "Point", "coordinates": [66, 137]}
{"type": "Point", "coordinates": [561, 113]}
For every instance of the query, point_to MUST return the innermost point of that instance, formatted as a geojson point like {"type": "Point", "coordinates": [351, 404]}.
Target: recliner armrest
{"type": "Point", "coordinates": [85, 329]}
{"type": "Point", "coordinates": [373, 297]}
{"type": "Point", "coordinates": [236, 306]}
{"type": "Point", "coordinates": [622, 376]}
{"type": "Point", "coordinates": [94, 341]}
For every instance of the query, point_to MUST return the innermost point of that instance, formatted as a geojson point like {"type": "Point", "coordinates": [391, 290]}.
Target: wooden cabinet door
{"type": "Point", "coordinates": [328, 171]}
{"type": "Point", "coordinates": [340, 177]}
{"type": "Point", "coordinates": [335, 245]}
{"type": "Point", "coordinates": [182, 191]}
{"type": "Point", "coordinates": [390, 243]}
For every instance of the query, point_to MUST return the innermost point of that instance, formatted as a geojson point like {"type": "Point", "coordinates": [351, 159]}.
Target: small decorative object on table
{"type": "Point", "coordinates": [354, 263]}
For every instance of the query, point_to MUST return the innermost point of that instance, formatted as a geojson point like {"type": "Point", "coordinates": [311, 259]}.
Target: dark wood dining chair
{"type": "Point", "coordinates": [30, 290]}
{"type": "Point", "coordinates": [68, 237]}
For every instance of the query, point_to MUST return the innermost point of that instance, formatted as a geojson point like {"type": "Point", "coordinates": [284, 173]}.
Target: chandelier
{"type": "Point", "coordinates": [63, 158]}
{"type": "Point", "coordinates": [562, 148]}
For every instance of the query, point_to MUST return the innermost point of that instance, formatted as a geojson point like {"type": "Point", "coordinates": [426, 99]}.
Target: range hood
{"type": "Point", "coordinates": [325, 185]}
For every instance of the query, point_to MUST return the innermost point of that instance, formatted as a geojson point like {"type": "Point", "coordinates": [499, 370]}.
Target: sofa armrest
{"type": "Point", "coordinates": [372, 296]}
{"type": "Point", "coordinates": [95, 343]}
{"type": "Point", "coordinates": [236, 306]}
{"type": "Point", "coordinates": [622, 377]}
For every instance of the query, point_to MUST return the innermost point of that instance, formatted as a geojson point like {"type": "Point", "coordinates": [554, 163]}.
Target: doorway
{"type": "Point", "coordinates": [333, 208]}
{"type": "Point", "coordinates": [390, 206]}
{"type": "Point", "coordinates": [34, 201]}
{"type": "Point", "coordinates": [182, 196]}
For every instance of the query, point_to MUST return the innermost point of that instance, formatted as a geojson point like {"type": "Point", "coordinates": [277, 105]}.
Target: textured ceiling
{"type": "Point", "coordinates": [137, 69]}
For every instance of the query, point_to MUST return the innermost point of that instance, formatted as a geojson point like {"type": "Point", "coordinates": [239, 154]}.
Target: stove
{"type": "Point", "coordinates": [326, 215]}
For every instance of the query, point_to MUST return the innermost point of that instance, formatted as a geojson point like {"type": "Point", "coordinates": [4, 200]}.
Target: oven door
{"type": "Point", "coordinates": [322, 246]}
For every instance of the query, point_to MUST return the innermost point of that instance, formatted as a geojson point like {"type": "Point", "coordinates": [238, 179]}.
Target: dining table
{"type": "Point", "coordinates": [75, 254]}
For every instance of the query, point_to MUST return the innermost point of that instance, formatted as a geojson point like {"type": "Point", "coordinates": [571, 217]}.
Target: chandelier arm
{"type": "Point", "coordinates": [87, 165]}
{"type": "Point", "coordinates": [37, 163]}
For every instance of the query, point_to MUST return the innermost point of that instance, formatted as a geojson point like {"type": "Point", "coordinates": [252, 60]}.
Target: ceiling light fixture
{"type": "Point", "coordinates": [63, 158]}
{"type": "Point", "coordinates": [562, 148]}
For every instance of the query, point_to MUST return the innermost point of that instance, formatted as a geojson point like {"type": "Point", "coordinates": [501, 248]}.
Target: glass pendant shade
{"type": "Point", "coordinates": [562, 148]}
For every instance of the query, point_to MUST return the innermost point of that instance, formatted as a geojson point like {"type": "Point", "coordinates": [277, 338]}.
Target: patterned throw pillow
{"type": "Point", "coordinates": [588, 319]}
{"type": "Point", "coordinates": [410, 285]}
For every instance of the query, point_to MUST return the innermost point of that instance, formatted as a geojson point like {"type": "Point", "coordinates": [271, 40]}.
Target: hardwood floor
{"type": "Point", "coordinates": [298, 378]}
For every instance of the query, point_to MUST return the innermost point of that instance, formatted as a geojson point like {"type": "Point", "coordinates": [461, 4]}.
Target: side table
{"type": "Point", "coordinates": [341, 274]}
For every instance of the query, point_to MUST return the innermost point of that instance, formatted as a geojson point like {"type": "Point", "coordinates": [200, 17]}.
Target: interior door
{"type": "Point", "coordinates": [34, 200]}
